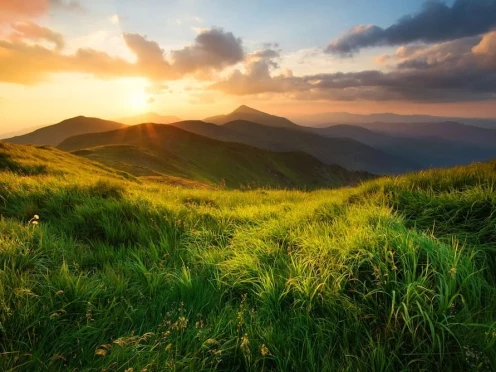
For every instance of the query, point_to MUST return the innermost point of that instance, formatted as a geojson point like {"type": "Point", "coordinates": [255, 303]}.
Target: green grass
{"type": "Point", "coordinates": [125, 274]}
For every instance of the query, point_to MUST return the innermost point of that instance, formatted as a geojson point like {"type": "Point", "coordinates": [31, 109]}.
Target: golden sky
{"type": "Point", "coordinates": [63, 58]}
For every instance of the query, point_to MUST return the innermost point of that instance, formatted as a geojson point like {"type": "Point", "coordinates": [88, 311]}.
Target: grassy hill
{"type": "Point", "coordinates": [345, 152]}
{"type": "Point", "coordinates": [53, 135]}
{"type": "Point", "coordinates": [155, 150]}
{"type": "Point", "coordinates": [121, 274]}
{"type": "Point", "coordinates": [249, 114]}
{"type": "Point", "coordinates": [428, 151]}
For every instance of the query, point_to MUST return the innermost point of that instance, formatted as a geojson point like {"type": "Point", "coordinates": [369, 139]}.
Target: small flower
{"type": "Point", "coordinates": [452, 272]}
{"type": "Point", "coordinates": [36, 217]}
{"type": "Point", "coordinates": [245, 342]}
{"type": "Point", "coordinates": [264, 350]}
{"type": "Point", "coordinates": [34, 223]}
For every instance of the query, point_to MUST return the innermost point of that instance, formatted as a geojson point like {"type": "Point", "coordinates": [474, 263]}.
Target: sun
{"type": "Point", "coordinates": [138, 102]}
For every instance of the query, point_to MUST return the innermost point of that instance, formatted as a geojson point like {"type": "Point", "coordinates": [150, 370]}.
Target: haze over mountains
{"type": "Point", "coordinates": [266, 149]}
{"type": "Point", "coordinates": [337, 118]}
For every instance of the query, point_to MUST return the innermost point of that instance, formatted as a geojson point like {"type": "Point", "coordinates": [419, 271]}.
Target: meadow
{"type": "Point", "coordinates": [104, 271]}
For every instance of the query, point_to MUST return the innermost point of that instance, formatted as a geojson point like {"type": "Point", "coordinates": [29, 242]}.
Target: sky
{"type": "Point", "coordinates": [197, 58]}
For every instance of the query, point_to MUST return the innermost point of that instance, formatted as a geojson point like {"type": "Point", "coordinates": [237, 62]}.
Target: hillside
{"type": "Point", "coordinates": [115, 273]}
{"type": "Point", "coordinates": [248, 114]}
{"type": "Point", "coordinates": [53, 135]}
{"type": "Point", "coordinates": [428, 151]}
{"type": "Point", "coordinates": [150, 117]}
{"type": "Point", "coordinates": [154, 150]}
{"type": "Point", "coordinates": [344, 152]}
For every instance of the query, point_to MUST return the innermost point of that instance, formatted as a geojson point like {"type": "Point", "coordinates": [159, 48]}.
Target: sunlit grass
{"type": "Point", "coordinates": [119, 273]}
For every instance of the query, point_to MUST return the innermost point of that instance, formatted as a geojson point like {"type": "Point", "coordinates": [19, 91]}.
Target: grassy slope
{"type": "Point", "coordinates": [151, 149]}
{"type": "Point", "coordinates": [398, 274]}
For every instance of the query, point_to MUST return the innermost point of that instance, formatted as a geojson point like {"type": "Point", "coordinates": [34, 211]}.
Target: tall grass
{"type": "Point", "coordinates": [120, 274]}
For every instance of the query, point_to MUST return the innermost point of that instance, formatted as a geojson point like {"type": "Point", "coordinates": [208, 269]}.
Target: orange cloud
{"type": "Point", "coordinates": [31, 31]}
{"type": "Point", "coordinates": [24, 63]}
{"type": "Point", "coordinates": [15, 10]}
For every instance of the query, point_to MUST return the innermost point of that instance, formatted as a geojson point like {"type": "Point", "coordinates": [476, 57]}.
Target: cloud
{"type": "Point", "coordinates": [213, 49]}
{"type": "Point", "coordinates": [156, 88]}
{"type": "Point", "coordinates": [31, 31]}
{"type": "Point", "coordinates": [150, 100]}
{"type": "Point", "coordinates": [12, 11]}
{"type": "Point", "coordinates": [114, 19]}
{"type": "Point", "coordinates": [150, 58]}
{"type": "Point", "coordinates": [69, 5]}
{"type": "Point", "coordinates": [29, 64]}
{"type": "Point", "coordinates": [25, 62]}
{"type": "Point", "coordinates": [459, 70]}
{"type": "Point", "coordinates": [436, 22]}
{"type": "Point", "coordinates": [257, 76]}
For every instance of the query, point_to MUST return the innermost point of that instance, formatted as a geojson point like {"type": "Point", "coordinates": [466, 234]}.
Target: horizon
{"type": "Point", "coordinates": [61, 59]}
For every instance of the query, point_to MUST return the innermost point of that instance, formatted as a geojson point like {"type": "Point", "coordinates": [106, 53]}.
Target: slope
{"type": "Point", "coordinates": [153, 149]}
{"type": "Point", "coordinates": [344, 152]}
{"type": "Point", "coordinates": [54, 134]}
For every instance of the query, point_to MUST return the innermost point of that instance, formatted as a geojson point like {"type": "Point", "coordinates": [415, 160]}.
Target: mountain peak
{"type": "Point", "coordinates": [243, 109]}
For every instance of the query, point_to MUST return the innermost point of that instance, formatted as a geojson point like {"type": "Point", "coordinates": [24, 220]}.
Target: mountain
{"type": "Point", "coordinates": [332, 118]}
{"type": "Point", "coordinates": [53, 135]}
{"type": "Point", "coordinates": [150, 117]}
{"type": "Point", "coordinates": [156, 150]}
{"type": "Point", "coordinates": [19, 132]}
{"type": "Point", "coordinates": [428, 151]}
{"type": "Point", "coordinates": [249, 114]}
{"type": "Point", "coordinates": [450, 131]}
{"type": "Point", "coordinates": [344, 152]}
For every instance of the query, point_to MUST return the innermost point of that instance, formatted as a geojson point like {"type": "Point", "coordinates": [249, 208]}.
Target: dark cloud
{"type": "Point", "coordinates": [459, 70]}
{"type": "Point", "coordinates": [436, 22]}
{"type": "Point", "coordinates": [213, 49]}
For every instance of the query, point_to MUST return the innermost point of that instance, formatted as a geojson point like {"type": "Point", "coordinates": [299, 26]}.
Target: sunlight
{"type": "Point", "coordinates": [138, 102]}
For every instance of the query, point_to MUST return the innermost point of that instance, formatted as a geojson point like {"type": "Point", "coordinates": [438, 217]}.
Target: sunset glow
{"type": "Point", "coordinates": [198, 58]}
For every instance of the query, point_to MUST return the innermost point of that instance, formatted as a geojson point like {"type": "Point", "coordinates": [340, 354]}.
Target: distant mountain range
{"type": "Point", "coordinates": [373, 147]}
{"type": "Point", "coordinates": [154, 150]}
{"type": "Point", "coordinates": [333, 118]}
{"type": "Point", "coordinates": [53, 135]}
{"type": "Point", "coordinates": [345, 152]}
{"type": "Point", "coordinates": [430, 150]}
{"type": "Point", "coordinates": [150, 117]}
